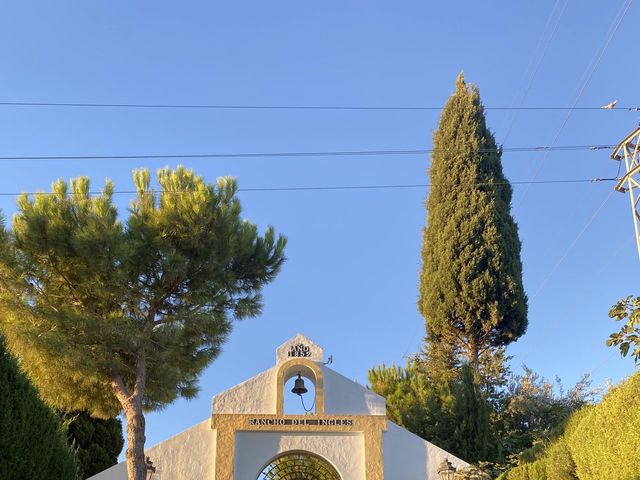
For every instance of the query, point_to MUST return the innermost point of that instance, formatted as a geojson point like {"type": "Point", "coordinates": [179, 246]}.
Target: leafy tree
{"type": "Point", "coordinates": [629, 335]}
{"type": "Point", "coordinates": [97, 442]}
{"type": "Point", "coordinates": [534, 410]}
{"type": "Point", "coordinates": [471, 292]}
{"type": "Point", "coordinates": [111, 316]}
{"type": "Point", "coordinates": [32, 439]}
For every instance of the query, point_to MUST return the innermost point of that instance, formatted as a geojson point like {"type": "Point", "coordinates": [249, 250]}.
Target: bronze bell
{"type": "Point", "coordinates": [299, 387]}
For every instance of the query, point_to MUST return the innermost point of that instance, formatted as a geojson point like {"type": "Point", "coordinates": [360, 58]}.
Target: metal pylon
{"type": "Point", "coordinates": [629, 150]}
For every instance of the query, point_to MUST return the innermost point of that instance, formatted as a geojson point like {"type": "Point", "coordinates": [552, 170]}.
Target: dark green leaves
{"type": "Point", "coordinates": [628, 338]}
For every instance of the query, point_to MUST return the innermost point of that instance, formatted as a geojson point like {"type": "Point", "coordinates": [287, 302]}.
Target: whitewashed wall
{"type": "Point", "coordinates": [256, 395]}
{"type": "Point", "coordinates": [190, 455]}
{"type": "Point", "coordinates": [346, 397]}
{"type": "Point", "coordinates": [408, 457]}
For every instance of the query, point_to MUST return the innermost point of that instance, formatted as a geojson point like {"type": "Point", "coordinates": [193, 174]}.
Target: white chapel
{"type": "Point", "coordinates": [250, 436]}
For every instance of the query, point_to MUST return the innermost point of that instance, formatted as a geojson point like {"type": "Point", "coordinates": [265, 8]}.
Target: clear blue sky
{"type": "Point", "coordinates": [350, 282]}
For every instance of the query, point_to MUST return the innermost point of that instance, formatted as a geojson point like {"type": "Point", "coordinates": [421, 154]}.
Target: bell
{"type": "Point", "coordinates": [298, 387]}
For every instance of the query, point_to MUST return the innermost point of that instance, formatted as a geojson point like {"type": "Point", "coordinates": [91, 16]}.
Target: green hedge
{"type": "Point", "coordinates": [600, 442]}
{"type": "Point", "coordinates": [33, 444]}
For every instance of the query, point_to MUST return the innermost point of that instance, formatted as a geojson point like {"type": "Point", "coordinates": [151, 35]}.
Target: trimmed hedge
{"type": "Point", "coordinates": [33, 443]}
{"type": "Point", "coordinates": [599, 442]}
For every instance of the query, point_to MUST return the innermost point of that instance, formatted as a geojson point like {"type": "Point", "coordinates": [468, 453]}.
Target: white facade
{"type": "Point", "coordinates": [252, 430]}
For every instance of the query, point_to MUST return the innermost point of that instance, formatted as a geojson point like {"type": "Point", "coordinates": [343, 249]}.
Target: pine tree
{"type": "Point", "coordinates": [416, 403]}
{"type": "Point", "coordinates": [115, 317]}
{"type": "Point", "coordinates": [471, 292]}
{"type": "Point", "coordinates": [32, 438]}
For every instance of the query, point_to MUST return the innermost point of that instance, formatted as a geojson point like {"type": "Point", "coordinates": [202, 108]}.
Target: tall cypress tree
{"type": "Point", "coordinates": [97, 442]}
{"type": "Point", "coordinates": [33, 442]}
{"type": "Point", "coordinates": [471, 292]}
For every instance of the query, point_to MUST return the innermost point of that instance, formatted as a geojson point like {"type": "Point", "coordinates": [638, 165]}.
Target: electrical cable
{"type": "Point", "coordinates": [346, 187]}
{"type": "Point", "coordinates": [284, 107]}
{"type": "Point", "coordinates": [598, 274]}
{"type": "Point", "coordinates": [543, 148]}
{"type": "Point", "coordinates": [587, 76]}
{"type": "Point", "coordinates": [572, 245]}
{"type": "Point", "coordinates": [536, 60]}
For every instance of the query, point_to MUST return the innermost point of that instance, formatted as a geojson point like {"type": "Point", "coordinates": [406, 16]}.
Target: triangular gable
{"type": "Point", "coordinates": [299, 346]}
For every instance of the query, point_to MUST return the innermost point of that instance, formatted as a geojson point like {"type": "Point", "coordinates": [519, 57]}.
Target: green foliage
{"type": "Point", "coordinates": [629, 335]}
{"type": "Point", "coordinates": [454, 415]}
{"type": "Point", "coordinates": [523, 417]}
{"type": "Point", "coordinates": [606, 440]}
{"type": "Point", "coordinates": [473, 430]}
{"type": "Point", "coordinates": [97, 442]}
{"type": "Point", "coordinates": [533, 411]}
{"type": "Point", "coordinates": [416, 403]}
{"type": "Point", "coordinates": [479, 471]}
{"type": "Point", "coordinates": [110, 316]}
{"type": "Point", "coordinates": [84, 293]}
{"type": "Point", "coordinates": [559, 462]}
{"type": "Point", "coordinates": [471, 292]}
{"type": "Point", "coordinates": [530, 471]}
{"type": "Point", "coordinates": [600, 441]}
{"type": "Point", "coordinates": [32, 439]}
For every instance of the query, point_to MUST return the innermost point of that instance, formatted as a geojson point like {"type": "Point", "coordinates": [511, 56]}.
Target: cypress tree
{"type": "Point", "coordinates": [97, 442]}
{"type": "Point", "coordinates": [33, 443]}
{"type": "Point", "coordinates": [471, 292]}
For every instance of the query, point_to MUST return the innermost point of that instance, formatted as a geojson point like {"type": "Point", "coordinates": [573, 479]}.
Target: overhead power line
{"type": "Point", "coordinates": [571, 246]}
{"type": "Point", "coordinates": [535, 62]}
{"type": "Point", "coordinates": [586, 80]}
{"type": "Point", "coordinates": [343, 153]}
{"type": "Point", "coordinates": [284, 107]}
{"type": "Point", "coordinates": [348, 187]}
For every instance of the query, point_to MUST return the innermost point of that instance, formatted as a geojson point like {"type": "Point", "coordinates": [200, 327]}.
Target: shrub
{"type": "Point", "coordinates": [606, 441]}
{"type": "Point", "coordinates": [599, 442]}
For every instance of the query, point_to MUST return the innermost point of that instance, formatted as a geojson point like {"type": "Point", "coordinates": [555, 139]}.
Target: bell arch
{"type": "Point", "coordinates": [298, 465]}
{"type": "Point", "coordinates": [307, 368]}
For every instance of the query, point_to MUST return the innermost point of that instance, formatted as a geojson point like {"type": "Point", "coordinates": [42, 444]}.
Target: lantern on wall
{"type": "Point", "coordinates": [446, 470]}
{"type": "Point", "coordinates": [150, 468]}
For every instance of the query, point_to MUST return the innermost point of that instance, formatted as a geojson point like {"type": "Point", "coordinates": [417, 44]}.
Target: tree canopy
{"type": "Point", "coordinates": [471, 292]}
{"type": "Point", "coordinates": [112, 315]}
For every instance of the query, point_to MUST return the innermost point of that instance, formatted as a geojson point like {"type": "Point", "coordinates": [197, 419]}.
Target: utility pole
{"type": "Point", "coordinates": [629, 150]}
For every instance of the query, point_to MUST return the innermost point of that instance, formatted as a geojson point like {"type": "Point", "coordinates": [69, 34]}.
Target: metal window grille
{"type": "Point", "coordinates": [299, 466]}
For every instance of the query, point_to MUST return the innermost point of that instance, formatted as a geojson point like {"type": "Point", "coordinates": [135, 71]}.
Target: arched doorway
{"type": "Point", "coordinates": [299, 465]}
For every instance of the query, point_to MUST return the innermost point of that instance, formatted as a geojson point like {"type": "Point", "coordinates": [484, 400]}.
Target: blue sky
{"type": "Point", "coordinates": [350, 282]}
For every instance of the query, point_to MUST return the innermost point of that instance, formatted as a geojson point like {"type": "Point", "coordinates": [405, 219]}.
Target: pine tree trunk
{"type": "Point", "coordinates": [136, 466]}
{"type": "Point", "coordinates": [132, 407]}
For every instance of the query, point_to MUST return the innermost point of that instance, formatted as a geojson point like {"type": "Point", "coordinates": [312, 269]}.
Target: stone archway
{"type": "Point", "coordinates": [299, 465]}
